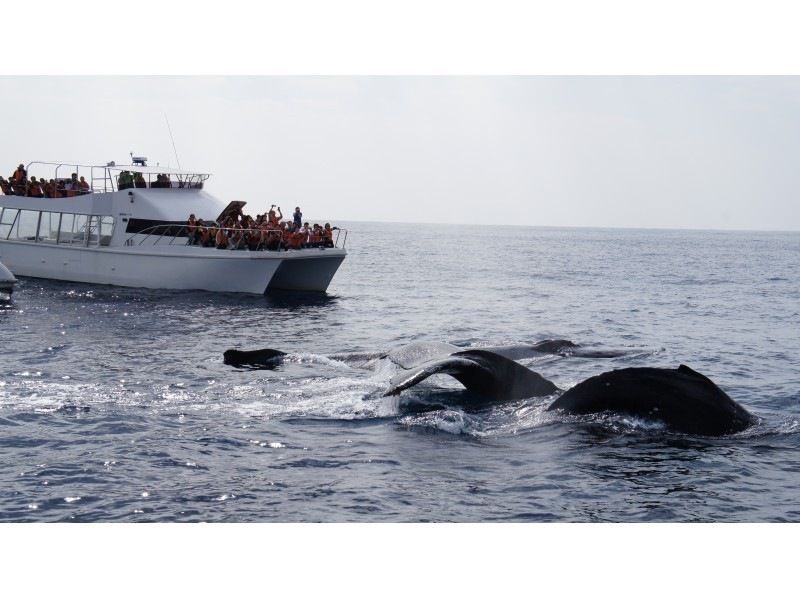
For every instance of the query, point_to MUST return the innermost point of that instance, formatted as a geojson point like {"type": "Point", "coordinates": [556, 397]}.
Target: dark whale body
{"type": "Point", "coordinates": [484, 373]}
{"type": "Point", "coordinates": [682, 398]}
{"type": "Point", "coordinates": [260, 358]}
{"type": "Point", "coordinates": [412, 354]}
{"type": "Point", "coordinates": [685, 400]}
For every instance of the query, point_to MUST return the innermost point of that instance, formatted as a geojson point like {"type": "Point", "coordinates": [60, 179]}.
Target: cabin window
{"type": "Point", "coordinates": [25, 226]}
{"type": "Point", "coordinates": [73, 229]}
{"type": "Point", "coordinates": [48, 227]}
{"type": "Point", "coordinates": [100, 230]}
{"type": "Point", "coordinates": [106, 230]}
{"type": "Point", "coordinates": [7, 219]}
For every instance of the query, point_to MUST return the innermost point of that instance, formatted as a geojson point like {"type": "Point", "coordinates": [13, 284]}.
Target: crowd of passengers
{"type": "Point", "coordinates": [19, 184]}
{"type": "Point", "coordinates": [267, 231]}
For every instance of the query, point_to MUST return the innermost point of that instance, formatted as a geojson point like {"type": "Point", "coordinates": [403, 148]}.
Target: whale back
{"type": "Point", "coordinates": [260, 358]}
{"type": "Point", "coordinates": [682, 398]}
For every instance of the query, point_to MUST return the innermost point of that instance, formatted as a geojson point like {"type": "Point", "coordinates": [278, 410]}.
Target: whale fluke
{"type": "Point", "coordinates": [682, 398]}
{"type": "Point", "coordinates": [485, 373]}
{"type": "Point", "coordinates": [261, 358]}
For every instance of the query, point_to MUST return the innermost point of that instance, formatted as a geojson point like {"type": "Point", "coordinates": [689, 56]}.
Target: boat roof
{"type": "Point", "coordinates": [130, 168]}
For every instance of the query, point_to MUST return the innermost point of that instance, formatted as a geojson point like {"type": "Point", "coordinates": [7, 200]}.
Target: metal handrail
{"type": "Point", "coordinates": [186, 180]}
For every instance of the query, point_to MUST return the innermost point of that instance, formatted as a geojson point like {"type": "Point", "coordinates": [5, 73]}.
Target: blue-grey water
{"type": "Point", "coordinates": [115, 404]}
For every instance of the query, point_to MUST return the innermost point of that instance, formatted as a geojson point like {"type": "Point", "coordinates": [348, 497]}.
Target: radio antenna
{"type": "Point", "coordinates": [173, 142]}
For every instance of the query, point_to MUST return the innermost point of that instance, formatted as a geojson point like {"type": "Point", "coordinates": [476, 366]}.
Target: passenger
{"type": "Point", "coordinates": [19, 182]}
{"type": "Point", "coordinates": [221, 239]}
{"type": "Point", "coordinates": [20, 174]}
{"type": "Point", "coordinates": [139, 182]}
{"type": "Point", "coordinates": [327, 234]}
{"type": "Point", "coordinates": [70, 187]}
{"type": "Point", "coordinates": [211, 235]}
{"type": "Point", "coordinates": [83, 186]}
{"type": "Point", "coordinates": [293, 236]}
{"type": "Point", "coordinates": [253, 239]}
{"type": "Point", "coordinates": [275, 217]}
{"type": "Point", "coordinates": [50, 188]}
{"type": "Point", "coordinates": [5, 186]}
{"type": "Point", "coordinates": [35, 188]}
{"type": "Point", "coordinates": [236, 235]}
{"type": "Point", "coordinates": [298, 217]}
{"type": "Point", "coordinates": [316, 236]}
{"type": "Point", "coordinates": [125, 180]}
{"type": "Point", "coordinates": [201, 234]}
{"type": "Point", "coordinates": [191, 228]}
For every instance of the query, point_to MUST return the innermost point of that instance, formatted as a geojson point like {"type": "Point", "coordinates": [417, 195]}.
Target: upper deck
{"type": "Point", "coordinates": [112, 177]}
{"type": "Point", "coordinates": [153, 193]}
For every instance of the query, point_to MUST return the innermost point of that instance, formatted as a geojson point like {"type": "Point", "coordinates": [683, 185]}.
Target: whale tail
{"type": "Point", "coordinates": [483, 372]}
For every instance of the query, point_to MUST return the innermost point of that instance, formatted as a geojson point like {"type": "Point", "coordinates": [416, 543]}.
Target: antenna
{"type": "Point", "coordinates": [178, 160]}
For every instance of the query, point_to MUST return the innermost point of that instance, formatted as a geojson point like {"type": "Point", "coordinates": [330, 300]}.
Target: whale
{"type": "Point", "coordinates": [484, 373]}
{"type": "Point", "coordinates": [407, 356]}
{"type": "Point", "coordinates": [683, 399]}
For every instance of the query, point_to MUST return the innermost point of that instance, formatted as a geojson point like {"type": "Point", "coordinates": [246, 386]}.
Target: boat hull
{"type": "Point", "coordinates": [186, 268]}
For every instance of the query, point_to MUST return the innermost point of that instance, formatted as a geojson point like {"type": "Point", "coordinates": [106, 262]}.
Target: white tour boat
{"type": "Point", "coordinates": [127, 226]}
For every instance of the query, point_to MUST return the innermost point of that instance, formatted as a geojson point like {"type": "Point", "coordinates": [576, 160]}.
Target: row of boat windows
{"type": "Point", "coordinates": [55, 227]}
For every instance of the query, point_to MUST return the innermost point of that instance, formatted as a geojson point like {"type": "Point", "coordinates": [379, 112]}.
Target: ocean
{"type": "Point", "coordinates": [115, 404]}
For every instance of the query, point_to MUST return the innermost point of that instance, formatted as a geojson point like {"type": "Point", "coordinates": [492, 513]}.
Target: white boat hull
{"type": "Point", "coordinates": [186, 267]}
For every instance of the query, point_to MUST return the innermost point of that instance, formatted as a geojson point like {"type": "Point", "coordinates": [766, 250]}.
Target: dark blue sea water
{"type": "Point", "coordinates": [115, 404]}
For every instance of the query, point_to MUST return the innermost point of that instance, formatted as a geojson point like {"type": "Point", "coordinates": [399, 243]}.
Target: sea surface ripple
{"type": "Point", "coordinates": [115, 404]}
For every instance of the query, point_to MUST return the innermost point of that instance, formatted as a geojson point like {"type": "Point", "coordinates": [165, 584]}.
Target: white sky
{"type": "Point", "coordinates": [687, 152]}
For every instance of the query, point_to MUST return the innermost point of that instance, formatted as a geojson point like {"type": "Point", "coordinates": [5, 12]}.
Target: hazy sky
{"type": "Point", "coordinates": [687, 152]}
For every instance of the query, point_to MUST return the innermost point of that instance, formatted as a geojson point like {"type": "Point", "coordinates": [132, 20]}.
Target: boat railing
{"type": "Point", "coordinates": [339, 231]}
{"type": "Point", "coordinates": [109, 178]}
{"type": "Point", "coordinates": [238, 238]}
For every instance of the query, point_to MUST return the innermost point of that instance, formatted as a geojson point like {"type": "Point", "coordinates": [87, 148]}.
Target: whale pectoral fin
{"type": "Point", "coordinates": [261, 358]}
{"type": "Point", "coordinates": [485, 373]}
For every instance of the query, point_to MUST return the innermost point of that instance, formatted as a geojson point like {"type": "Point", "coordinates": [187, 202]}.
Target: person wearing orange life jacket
{"type": "Point", "coordinates": [35, 188]}
{"type": "Point", "coordinates": [327, 235]}
{"type": "Point", "coordinates": [294, 238]}
{"type": "Point", "coordinates": [83, 185]}
{"type": "Point", "coordinates": [210, 239]}
{"type": "Point", "coordinates": [222, 239]}
{"type": "Point", "coordinates": [20, 174]}
{"type": "Point", "coordinates": [6, 187]}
